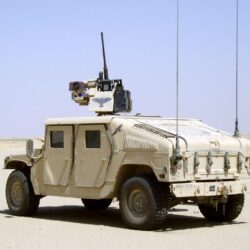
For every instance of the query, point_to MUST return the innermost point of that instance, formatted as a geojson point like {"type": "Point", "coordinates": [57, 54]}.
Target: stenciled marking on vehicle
{"type": "Point", "coordinates": [212, 188]}
{"type": "Point", "coordinates": [102, 100]}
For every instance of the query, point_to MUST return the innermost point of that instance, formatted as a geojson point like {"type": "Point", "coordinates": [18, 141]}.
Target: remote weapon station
{"type": "Point", "coordinates": [104, 96]}
{"type": "Point", "coordinates": [148, 163]}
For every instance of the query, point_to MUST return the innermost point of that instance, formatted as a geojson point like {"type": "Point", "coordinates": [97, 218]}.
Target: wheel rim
{"type": "Point", "coordinates": [17, 194]}
{"type": "Point", "coordinates": [138, 203]}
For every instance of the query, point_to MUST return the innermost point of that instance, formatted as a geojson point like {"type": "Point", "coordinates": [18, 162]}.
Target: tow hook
{"type": "Point", "coordinates": [223, 191]}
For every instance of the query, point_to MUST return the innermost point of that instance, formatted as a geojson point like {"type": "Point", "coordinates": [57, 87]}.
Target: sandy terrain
{"type": "Point", "coordinates": [247, 136]}
{"type": "Point", "coordinates": [63, 223]}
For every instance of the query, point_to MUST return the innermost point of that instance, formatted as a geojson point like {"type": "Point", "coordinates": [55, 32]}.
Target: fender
{"type": "Point", "coordinates": [17, 162]}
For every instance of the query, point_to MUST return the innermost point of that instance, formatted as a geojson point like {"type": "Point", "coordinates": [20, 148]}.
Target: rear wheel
{"type": "Point", "coordinates": [143, 203]}
{"type": "Point", "coordinates": [20, 195]}
{"type": "Point", "coordinates": [96, 204]}
{"type": "Point", "coordinates": [224, 211]}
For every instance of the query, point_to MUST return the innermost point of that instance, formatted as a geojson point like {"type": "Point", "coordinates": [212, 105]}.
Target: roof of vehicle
{"type": "Point", "coordinates": [187, 127]}
{"type": "Point", "coordinates": [79, 120]}
{"type": "Point", "coordinates": [101, 119]}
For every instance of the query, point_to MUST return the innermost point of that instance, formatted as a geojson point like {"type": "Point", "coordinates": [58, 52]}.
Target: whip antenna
{"type": "Point", "coordinates": [105, 68]}
{"type": "Point", "coordinates": [236, 131]}
{"type": "Point", "coordinates": [177, 156]}
{"type": "Point", "coordinates": [177, 80]}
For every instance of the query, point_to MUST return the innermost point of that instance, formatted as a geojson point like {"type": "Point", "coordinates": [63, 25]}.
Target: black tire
{"type": "Point", "coordinates": [20, 195]}
{"type": "Point", "coordinates": [96, 204]}
{"type": "Point", "coordinates": [143, 203]}
{"type": "Point", "coordinates": [224, 211]}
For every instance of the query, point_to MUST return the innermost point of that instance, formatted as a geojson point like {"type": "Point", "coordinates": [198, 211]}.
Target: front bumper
{"type": "Point", "coordinates": [200, 189]}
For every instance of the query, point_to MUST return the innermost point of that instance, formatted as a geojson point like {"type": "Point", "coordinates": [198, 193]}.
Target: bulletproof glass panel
{"type": "Point", "coordinates": [93, 139]}
{"type": "Point", "coordinates": [57, 139]}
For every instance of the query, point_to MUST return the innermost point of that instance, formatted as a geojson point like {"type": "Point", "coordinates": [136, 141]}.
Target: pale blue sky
{"type": "Point", "coordinates": [45, 44]}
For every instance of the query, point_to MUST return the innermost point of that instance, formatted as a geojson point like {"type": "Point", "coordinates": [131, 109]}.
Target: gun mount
{"type": "Point", "coordinates": [103, 96]}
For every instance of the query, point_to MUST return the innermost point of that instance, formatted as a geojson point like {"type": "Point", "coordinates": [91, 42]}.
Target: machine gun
{"type": "Point", "coordinates": [103, 96]}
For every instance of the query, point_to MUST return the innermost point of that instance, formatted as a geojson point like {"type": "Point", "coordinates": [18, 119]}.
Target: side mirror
{"type": "Point", "coordinates": [30, 148]}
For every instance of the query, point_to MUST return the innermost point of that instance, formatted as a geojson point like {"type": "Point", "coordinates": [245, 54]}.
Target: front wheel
{"type": "Point", "coordinates": [224, 211]}
{"type": "Point", "coordinates": [143, 203]}
{"type": "Point", "coordinates": [20, 195]}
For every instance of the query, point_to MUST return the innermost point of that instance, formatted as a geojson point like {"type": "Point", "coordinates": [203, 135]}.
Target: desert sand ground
{"type": "Point", "coordinates": [63, 223]}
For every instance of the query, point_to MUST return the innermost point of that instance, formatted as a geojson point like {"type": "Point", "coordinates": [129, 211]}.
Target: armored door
{"type": "Point", "coordinates": [92, 155]}
{"type": "Point", "coordinates": [57, 155]}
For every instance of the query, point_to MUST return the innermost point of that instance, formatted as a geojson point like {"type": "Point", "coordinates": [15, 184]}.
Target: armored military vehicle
{"type": "Point", "coordinates": [131, 158]}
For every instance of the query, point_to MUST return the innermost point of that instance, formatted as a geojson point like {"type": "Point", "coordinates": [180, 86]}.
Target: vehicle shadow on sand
{"type": "Point", "coordinates": [111, 217]}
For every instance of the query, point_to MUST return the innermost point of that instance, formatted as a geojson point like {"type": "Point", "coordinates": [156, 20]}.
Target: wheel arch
{"type": "Point", "coordinates": [17, 164]}
{"type": "Point", "coordinates": [129, 170]}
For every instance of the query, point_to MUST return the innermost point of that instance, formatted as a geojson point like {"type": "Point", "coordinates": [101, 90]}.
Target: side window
{"type": "Point", "coordinates": [93, 139]}
{"type": "Point", "coordinates": [56, 139]}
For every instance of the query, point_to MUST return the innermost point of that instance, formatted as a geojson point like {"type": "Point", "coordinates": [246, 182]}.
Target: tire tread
{"type": "Point", "coordinates": [232, 209]}
{"type": "Point", "coordinates": [31, 201]}
{"type": "Point", "coordinates": [160, 192]}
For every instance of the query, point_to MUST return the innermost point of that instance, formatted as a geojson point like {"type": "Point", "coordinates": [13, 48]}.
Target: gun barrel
{"type": "Point", "coordinates": [105, 69]}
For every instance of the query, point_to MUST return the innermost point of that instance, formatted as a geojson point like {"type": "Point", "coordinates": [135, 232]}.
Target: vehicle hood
{"type": "Point", "coordinates": [196, 135]}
